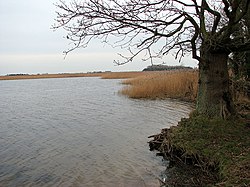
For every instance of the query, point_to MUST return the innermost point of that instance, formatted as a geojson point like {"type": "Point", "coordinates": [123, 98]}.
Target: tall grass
{"type": "Point", "coordinates": [122, 75]}
{"type": "Point", "coordinates": [168, 84]}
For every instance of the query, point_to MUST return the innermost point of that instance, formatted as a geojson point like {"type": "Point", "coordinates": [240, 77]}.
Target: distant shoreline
{"type": "Point", "coordinates": [105, 75]}
{"type": "Point", "coordinates": [46, 76]}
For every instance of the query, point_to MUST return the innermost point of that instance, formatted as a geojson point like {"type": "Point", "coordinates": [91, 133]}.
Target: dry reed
{"type": "Point", "coordinates": [47, 76]}
{"type": "Point", "coordinates": [168, 84]}
{"type": "Point", "coordinates": [122, 75]}
{"type": "Point", "coordinates": [103, 75]}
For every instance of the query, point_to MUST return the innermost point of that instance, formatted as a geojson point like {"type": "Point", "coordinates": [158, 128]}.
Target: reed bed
{"type": "Point", "coordinates": [168, 84]}
{"type": "Point", "coordinates": [122, 75]}
{"type": "Point", "coordinates": [47, 76]}
{"type": "Point", "coordinates": [103, 75]}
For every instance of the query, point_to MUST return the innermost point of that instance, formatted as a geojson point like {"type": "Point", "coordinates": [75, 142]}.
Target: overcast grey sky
{"type": "Point", "coordinates": [29, 45]}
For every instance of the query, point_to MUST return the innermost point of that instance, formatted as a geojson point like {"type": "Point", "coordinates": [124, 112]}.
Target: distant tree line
{"type": "Point", "coordinates": [165, 68]}
{"type": "Point", "coordinates": [17, 74]}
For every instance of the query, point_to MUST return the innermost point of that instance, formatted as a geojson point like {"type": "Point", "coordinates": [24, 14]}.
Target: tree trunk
{"type": "Point", "coordinates": [214, 98]}
{"type": "Point", "coordinates": [248, 65]}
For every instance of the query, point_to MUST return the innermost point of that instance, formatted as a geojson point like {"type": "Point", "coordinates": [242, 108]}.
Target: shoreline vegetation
{"type": "Point", "coordinates": [103, 75]}
{"type": "Point", "coordinates": [208, 152]}
{"type": "Point", "coordinates": [175, 84]}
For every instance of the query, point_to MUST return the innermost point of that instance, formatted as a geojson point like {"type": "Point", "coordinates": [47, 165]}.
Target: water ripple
{"type": "Point", "coordinates": [77, 132]}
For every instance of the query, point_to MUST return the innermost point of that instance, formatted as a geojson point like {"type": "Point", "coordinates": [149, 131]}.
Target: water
{"type": "Point", "coordinates": [79, 132]}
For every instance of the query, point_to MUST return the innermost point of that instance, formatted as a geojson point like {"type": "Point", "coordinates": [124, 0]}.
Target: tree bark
{"type": "Point", "coordinates": [214, 98]}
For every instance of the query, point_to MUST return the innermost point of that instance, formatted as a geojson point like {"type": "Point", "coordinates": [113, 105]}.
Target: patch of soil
{"type": "Point", "coordinates": [180, 174]}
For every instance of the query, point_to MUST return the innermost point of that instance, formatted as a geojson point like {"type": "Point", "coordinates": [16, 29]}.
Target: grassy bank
{"type": "Point", "coordinates": [165, 84]}
{"type": "Point", "coordinates": [213, 145]}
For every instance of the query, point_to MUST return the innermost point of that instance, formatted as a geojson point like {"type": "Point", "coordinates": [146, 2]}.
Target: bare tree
{"type": "Point", "coordinates": [203, 28]}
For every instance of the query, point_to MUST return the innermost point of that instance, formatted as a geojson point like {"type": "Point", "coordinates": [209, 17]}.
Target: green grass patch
{"type": "Point", "coordinates": [225, 144]}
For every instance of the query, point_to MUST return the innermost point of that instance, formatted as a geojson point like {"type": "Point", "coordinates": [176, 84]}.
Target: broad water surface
{"type": "Point", "coordinates": [79, 132]}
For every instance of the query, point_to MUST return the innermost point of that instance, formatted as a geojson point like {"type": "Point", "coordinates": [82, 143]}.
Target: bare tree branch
{"type": "Point", "coordinates": [154, 27]}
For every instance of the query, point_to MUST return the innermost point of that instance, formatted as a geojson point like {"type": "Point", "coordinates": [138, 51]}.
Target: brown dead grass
{"type": "Point", "coordinates": [167, 84]}
{"type": "Point", "coordinates": [103, 75]}
{"type": "Point", "coordinates": [47, 76]}
{"type": "Point", "coordinates": [122, 75]}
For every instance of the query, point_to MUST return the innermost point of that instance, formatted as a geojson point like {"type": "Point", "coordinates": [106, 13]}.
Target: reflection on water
{"type": "Point", "coordinates": [79, 132]}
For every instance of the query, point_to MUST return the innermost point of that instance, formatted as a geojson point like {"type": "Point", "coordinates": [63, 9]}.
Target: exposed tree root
{"type": "Point", "coordinates": [188, 169]}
